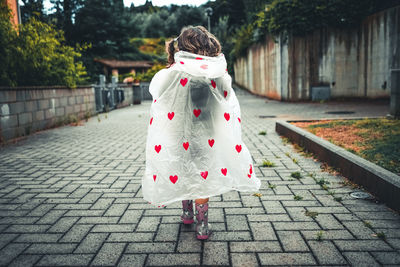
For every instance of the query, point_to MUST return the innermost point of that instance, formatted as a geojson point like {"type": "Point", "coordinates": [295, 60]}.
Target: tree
{"type": "Point", "coordinates": [7, 36]}
{"type": "Point", "coordinates": [32, 8]}
{"type": "Point", "coordinates": [37, 55]}
{"type": "Point", "coordinates": [64, 15]}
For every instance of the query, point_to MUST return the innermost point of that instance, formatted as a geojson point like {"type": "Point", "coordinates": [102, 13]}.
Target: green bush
{"type": "Point", "coordinates": [37, 55]}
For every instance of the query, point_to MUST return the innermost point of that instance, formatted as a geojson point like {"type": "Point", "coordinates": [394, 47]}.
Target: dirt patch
{"type": "Point", "coordinates": [377, 140]}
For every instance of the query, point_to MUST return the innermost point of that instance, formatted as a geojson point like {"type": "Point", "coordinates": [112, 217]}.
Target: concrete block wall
{"type": "Point", "coordinates": [25, 110]}
{"type": "Point", "coordinates": [354, 62]}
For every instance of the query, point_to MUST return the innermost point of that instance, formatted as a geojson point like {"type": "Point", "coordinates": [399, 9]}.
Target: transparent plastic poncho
{"type": "Point", "coordinates": [194, 146]}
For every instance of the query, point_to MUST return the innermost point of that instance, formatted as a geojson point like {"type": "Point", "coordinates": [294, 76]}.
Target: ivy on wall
{"type": "Point", "coordinates": [300, 17]}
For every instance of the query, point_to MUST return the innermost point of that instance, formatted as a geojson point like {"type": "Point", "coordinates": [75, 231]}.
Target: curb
{"type": "Point", "coordinates": [379, 181]}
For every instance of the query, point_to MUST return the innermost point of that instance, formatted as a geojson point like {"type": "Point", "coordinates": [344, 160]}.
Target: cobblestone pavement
{"type": "Point", "coordinates": [72, 196]}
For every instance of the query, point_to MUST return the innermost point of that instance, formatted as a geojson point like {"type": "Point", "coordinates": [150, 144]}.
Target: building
{"type": "Point", "coordinates": [16, 13]}
{"type": "Point", "coordinates": [115, 67]}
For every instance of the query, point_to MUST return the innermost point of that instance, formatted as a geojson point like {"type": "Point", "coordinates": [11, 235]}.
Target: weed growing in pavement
{"type": "Point", "coordinates": [320, 235]}
{"type": "Point", "coordinates": [322, 181]}
{"type": "Point", "coordinates": [312, 214]}
{"type": "Point", "coordinates": [297, 197]}
{"type": "Point", "coordinates": [267, 163]}
{"type": "Point", "coordinates": [367, 224]}
{"type": "Point", "coordinates": [272, 186]}
{"type": "Point", "coordinates": [262, 133]}
{"type": "Point", "coordinates": [296, 175]}
{"type": "Point", "coordinates": [381, 235]}
{"type": "Point", "coordinates": [338, 199]}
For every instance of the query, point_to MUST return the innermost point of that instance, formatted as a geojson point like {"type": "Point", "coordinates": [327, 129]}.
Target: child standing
{"type": "Point", "coordinates": [194, 146]}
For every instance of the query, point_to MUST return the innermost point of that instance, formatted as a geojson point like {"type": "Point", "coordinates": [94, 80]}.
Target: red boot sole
{"type": "Point", "coordinates": [188, 221]}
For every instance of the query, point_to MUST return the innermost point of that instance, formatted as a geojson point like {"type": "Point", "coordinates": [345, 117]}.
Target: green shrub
{"type": "Point", "coordinates": [37, 55]}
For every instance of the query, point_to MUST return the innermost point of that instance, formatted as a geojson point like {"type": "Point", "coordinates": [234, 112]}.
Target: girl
{"type": "Point", "coordinates": [194, 147]}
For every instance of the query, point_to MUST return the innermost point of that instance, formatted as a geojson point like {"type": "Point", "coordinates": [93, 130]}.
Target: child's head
{"type": "Point", "coordinates": [196, 40]}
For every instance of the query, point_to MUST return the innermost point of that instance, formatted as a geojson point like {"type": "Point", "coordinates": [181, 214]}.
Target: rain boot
{"type": "Point", "coordinates": [203, 228]}
{"type": "Point", "coordinates": [187, 213]}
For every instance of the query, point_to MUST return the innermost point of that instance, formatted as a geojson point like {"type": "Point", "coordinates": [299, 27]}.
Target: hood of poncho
{"type": "Point", "coordinates": [199, 65]}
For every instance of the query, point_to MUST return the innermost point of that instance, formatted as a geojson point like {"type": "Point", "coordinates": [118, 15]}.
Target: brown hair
{"type": "Point", "coordinates": [196, 40]}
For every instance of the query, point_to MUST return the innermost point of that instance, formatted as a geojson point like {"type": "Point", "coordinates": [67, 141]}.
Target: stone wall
{"type": "Point", "coordinates": [24, 110]}
{"type": "Point", "coordinates": [351, 62]}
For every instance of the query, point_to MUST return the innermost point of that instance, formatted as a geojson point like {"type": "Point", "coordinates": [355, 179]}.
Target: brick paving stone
{"type": "Point", "coordinates": [244, 259]}
{"type": "Point", "coordinates": [25, 260]}
{"type": "Point", "coordinates": [230, 236]}
{"type": "Point", "coordinates": [262, 231]}
{"type": "Point", "coordinates": [188, 242]}
{"type": "Point", "coordinates": [130, 237]}
{"type": "Point", "coordinates": [255, 246]}
{"type": "Point", "coordinates": [82, 204]}
{"type": "Point", "coordinates": [362, 245]}
{"type": "Point", "coordinates": [360, 259]}
{"type": "Point", "coordinates": [65, 260]}
{"type": "Point", "coordinates": [108, 254]}
{"type": "Point", "coordinates": [215, 253]}
{"type": "Point", "coordinates": [149, 224]}
{"type": "Point", "coordinates": [326, 253]}
{"type": "Point", "coordinates": [91, 243]}
{"type": "Point", "coordinates": [132, 260]}
{"type": "Point", "coordinates": [38, 238]}
{"type": "Point", "coordinates": [292, 241]}
{"type": "Point", "coordinates": [387, 257]}
{"type": "Point", "coordinates": [110, 228]}
{"type": "Point", "coordinates": [63, 225]}
{"type": "Point", "coordinates": [50, 248]}
{"type": "Point", "coordinates": [295, 225]}
{"type": "Point", "coordinates": [9, 252]}
{"type": "Point", "coordinates": [76, 233]}
{"type": "Point", "coordinates": [167, 232]}
{"type": "Point", "coordinates": [173, 259]}
{"type": "Point", "coordinates": [237, 222]}
{"type": "Point", "coordinates": [150, 247]}
{"type": "Point", "coordinates": [286, 259]}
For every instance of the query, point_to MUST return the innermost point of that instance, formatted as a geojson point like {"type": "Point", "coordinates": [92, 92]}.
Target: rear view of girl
{"type": "Point", "coordinates": [194, 146]}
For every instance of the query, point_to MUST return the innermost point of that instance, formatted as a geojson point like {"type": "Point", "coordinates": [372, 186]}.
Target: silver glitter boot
{"type": "Point", "coordinates": [187, 213]}
{"type": "Point", "coordinates": [203, 228]}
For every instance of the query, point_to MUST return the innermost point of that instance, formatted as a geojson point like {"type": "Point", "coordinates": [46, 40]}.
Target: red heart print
{"type": "Point", "coordinates": [249, 175]}
{"type": "Point", "coordinates": [196, 112]}
{"type": "Point", "coordinates": [204, 66]}
{"type": "Point", "coordinates": [211, 142]}
{"type": "Point", "coordinates": [171, 115]}
{"type": "Point", "coordinates": [186, 145]}
{"type": "Point", "coordinates": [251, 169]}
{"type": "Point", "coordinates": [173, 179]}
{"type": "Point", "coordinates": [182, 62]}
{"type": "Point", "coordinates": [227, 116]}
{"type": "Point", "coordinates": [224, 171]}
{"type": "Point", "coordinates": [204, 174]}
{"type": "Point", "coordinates": [184, 81]}
{"type": "Point", "coordinates": [213, 84]}
{"type": "Point", "coordinates": [239, 119]}
{"type": "Point", "coordinates": [154, 177]}
{"type": "Point", "coordinates": [151, 120]}
{"type": "Point", "coordinates": [225, 93]}
{"type": "Point", "coordinates": [238, 148]}
{"type": "Point", "coordinates": [155, 100]}
{"type": "Point", "coordinates": [157, 148]}
{"type": "Point", "coordinates": [199, 58]}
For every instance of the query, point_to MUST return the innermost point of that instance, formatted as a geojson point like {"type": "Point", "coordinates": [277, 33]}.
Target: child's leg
{"type": "Point", "coordinates": [201, 200]}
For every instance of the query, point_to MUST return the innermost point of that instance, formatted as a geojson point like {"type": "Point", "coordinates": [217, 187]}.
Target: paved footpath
{"type": "Point", "coordinates": [72, 196]}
